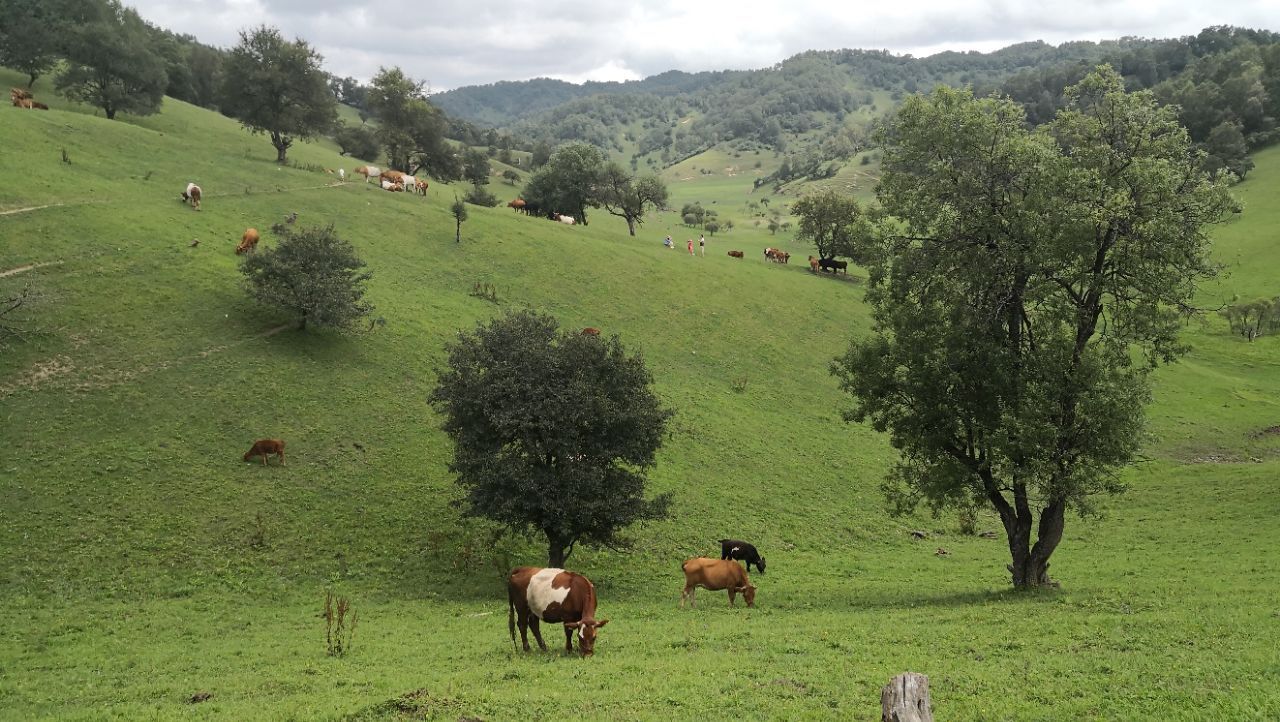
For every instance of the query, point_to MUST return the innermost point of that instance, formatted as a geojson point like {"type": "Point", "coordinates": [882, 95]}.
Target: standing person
{"type": "Point", "coordinates": [690, 246]}
{"type": "Point", "coordinates": [702, 246]}
{"type": "Point", "coordinates": [667, 242]}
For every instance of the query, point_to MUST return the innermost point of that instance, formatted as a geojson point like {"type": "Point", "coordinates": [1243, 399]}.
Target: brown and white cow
{"type": "Point", "coordinates": [535, 594]}
{"type": "Point", "coordinates": [192, 195]}
{"type": "Point", "coordinates": [716, 574]}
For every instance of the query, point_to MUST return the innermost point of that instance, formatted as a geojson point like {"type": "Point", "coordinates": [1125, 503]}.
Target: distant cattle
{"type": "Point", "coordinates": [369, 172]}
{"type": "Point", "coordinates": [567, 220]}
{"type": "Point", "coordinates": [537, 595]}
{"type": "Point", "coordinates": [832, 265]}
{"type": "Point", "coordinates": [714, 575]}
{"type": "Point", "coordinates": [248, 242]}
{"type": "Point", "coordinates": [734, 549]}
{"type": "Point", "coordinates": [192, 195]}
{"type": "Point", "coordinates": [736, 254]}
{"type": "Point", "coordinates": [342, 174]}
{"type": "Point", "coordinates": [777, 255]}
{"type": "Point", "coordinates": [394, 176]}
{"type": "Point", "coordinates": [38, 105]}
{"type": "Point", "coordinates": [813, 264]}
{"type": "Point", "coordinates": [589, 331]}
{"type": "Point", "coordinates": [266, 447]}
{"type": "Point", "coordinates": [420, 187]}
{"type": "Point", "coordinates": [389, 185]}
{"type": "Point", "coordinates": [516, 205]}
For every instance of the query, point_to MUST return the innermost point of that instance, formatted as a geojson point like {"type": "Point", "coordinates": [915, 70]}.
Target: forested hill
{"type": "Point", "coordinates": [818, 107]}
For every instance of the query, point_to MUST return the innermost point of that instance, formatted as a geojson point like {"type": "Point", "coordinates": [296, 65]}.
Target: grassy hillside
{"type": "Point", "coordinates": [141, 561]}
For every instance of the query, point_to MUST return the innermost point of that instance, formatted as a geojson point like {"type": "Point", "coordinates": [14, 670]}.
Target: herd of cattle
{"type": "Point", "coordinates": [520, 205]}
{"type": "Point", "coordinates": [538, 594]}
{"type": "Point", "coordinates": [392, 180]}
{"type": "Point", "coordinates": [22, 98]}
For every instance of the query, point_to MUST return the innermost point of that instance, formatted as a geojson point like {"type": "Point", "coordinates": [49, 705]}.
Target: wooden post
{"type": "Point", "coordinates": [906, 699]}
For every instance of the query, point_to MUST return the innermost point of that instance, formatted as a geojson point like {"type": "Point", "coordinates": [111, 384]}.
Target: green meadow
{"type": "Point", "coordinates": [142, 561]}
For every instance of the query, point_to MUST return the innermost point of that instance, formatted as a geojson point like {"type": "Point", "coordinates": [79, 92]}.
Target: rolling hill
{"type": "Point", "coordinates": [141, 562]}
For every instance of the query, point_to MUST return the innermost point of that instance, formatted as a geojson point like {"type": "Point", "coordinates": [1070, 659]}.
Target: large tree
{"type": "Point", "coordinates": [553, 431]}
{"type": "Point", "coordinates": [29, 36]}
{"type": "Point", "coordinates": [276, 87]}
{"type": "Point", "coordinates": [410, 128]}
{"type": "Point", "coordinates": [832, 222]}
{"type": "Point", "coordinates": [566, 183]}
{"type": "Point", "coordinates": [110, 61]}
{"type": "Point", "coordinates": [627, 197]}
{"type": "Point", "coordinates": [1028, 284]}
{"type": "Point", "coordinates": [313, 274]}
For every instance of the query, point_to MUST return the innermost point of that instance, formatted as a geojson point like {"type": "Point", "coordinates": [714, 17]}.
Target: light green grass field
{"type": "Point", "coordinates": [131, 573]}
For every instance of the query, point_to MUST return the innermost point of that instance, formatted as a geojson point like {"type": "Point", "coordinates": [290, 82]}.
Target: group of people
{"type": "Point", "coordinates": [702, 245]}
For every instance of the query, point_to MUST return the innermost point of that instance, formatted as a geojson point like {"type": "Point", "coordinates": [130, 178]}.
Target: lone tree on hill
{"type": "Point", "coordinates": [459, 211]}
{"type": "Point", "coordinates": [629, 198]}
{"type": "Point", "coordinates": [831, 222]}
{"type": "Point", "coordinates": [553, 431]}
{"type": "Point", "coordinates": [566, 183]}
{"type": "Point", "coordinates": [313, 274]}
{"type": "Point", "coordinates": [276, 87]}
{"type": "Point", "coordinates": [111, 63]}
{"type": "Point", "coordinates": [1029, 282]}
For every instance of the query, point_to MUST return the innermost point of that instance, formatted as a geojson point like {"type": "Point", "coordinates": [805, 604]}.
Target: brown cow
{"type": "Point", "coordinates": [264, 448]}
{"type": "Point", "coordinates": [420, 186]}
{"type": "Point", "coordinates": [589, 331]}
{"type": "Point", "coordinates": [716, 574]}
{"type": "Point", "coordinates": [813, 264]}
{"type": "Point", "coordinates": [248, 242]}
{"type": "Point", "coordinates": [538, 595]}
{"type": "Point", "coordinates": [517, 205]}
{"type": "Point", "coordinates": [394, 176]}
{"type": "Point", "coordinates": [736, 254]}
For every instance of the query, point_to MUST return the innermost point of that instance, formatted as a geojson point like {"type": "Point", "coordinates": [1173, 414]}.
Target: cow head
{"type": "Point", "coordinates": [760, 565]}
{"type": "Point", "coordinates": [586, 634]}
{"type": "Point", "coordinates": [748, 593]}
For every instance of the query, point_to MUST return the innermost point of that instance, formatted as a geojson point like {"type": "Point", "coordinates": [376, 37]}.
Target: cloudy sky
{"type": "Point", "coordinates": [451, 44]}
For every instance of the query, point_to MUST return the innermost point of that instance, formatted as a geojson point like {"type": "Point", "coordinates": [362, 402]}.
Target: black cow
{"type": "Point", "coordinates": [734, 549]}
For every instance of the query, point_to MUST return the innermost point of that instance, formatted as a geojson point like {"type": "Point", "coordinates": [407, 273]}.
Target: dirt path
{"type": "Point", "coordinates": [29, 209]}
{"type": "Point", "coordinates": [47, 373]}
{"type": "Point", "coordinates": [28, 267]}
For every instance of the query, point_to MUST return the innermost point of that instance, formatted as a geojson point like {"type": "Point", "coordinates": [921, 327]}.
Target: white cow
{"type": "Point", "coordinates": [342, 175]}
{"type": "Point", "coordinates": [567, 220]}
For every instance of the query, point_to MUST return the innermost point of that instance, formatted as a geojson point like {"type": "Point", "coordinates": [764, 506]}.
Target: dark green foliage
{"type": "Point", "coordinates": [553, 431]}
{"type": "Point", "coordinates": [459, 211]}
{"type": "Point", "coordinates": [313, 274]}
{"type": "Point", "coordinates": [832, 223]}
{"type": "Point", "coordinates": [1226, 151]}
{"type": "Point", "coordinates": [111, 63]}
{"type": "Point", "coordinates": [476, 168]}
{"type": "Point", "coordinates": [29, 36]}
{"type": "Point", "coordinates": [357, 141]}
{"type": "Point", "coordinates": [510, 176]}
{"type": "Point", "coordinates": [480, 196]}
{"type": "Point", "coordinates": [629, 198]}
{"type": "Point", "coordinates": [1255, 318]}
{"type": "Point", "coordinates": [276, 87]}
{"type": "Point", "coordinates": [567, 182]}
{"type": "Point", "coordinates": [1028, 284]}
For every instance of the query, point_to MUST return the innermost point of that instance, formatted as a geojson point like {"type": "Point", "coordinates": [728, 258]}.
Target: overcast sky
{"type": "Point", "coordinates": [450, 44]}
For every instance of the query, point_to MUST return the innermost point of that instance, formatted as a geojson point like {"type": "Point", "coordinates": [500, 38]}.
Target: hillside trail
{"type": "Point", "coordinates": [31, 209]}
{"type": "Point", "coordinates": [47, 373]}
{"type": "Point", "coordinates": [28, 267]}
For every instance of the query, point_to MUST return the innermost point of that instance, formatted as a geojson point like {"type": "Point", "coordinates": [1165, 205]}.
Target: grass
{"type": "Point", "coordinates": [141, 562]}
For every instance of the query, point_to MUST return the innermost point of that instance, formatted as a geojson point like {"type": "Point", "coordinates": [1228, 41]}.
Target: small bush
{"type": "Point", "coordinates": [339, 625]}
{"type": "Point", "coordinates": [480, 196]}
{"type": "Point", "coordinates": [487, 291]}
{"type": "Point", "coordinates": [739, 383]}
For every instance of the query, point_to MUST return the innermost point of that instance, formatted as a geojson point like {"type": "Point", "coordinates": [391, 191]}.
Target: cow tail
{"type": "Point", "coordinates": [511, 616]}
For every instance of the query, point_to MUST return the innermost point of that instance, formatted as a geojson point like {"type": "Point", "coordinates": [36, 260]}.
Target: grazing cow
{"type": "Point", "coordinates": [248, 242]}
{"type": "Point", "coordinates": [369, 172]}
{"type": "Point", "coordinates": [736, 254]}
{"type": "Point", "coordinates": [832, 265]}
{"type": "Point", "coordinates": [734, 549]}
{"type": "Point", "coordinates": [266, 447]}
{"type": "Point", "coordinates": [714, 575]}
{"type": "Point", "coordinates": [813, 264]}
{"type": "Point", "coordinates": [567, 220]}
{"type": "Point", "coordinates": [589, 331]}
{"type": "Point", "coordinates": [38, 105]}
{"type": "Point", "coordinates": [420, 187]}
{"type": "Point", "coordinates": [516, 205]}
{"type": "Point", "coordinates": [553, 595]}
{"type": "Point", "coordinates": [394, 176]}
{"type": "Point", "coordinates": [410, 184]}
{"type": "Point", "coordinates": [192, 195]}
{"type": "Point", "coordinates": [388, 185]}
{"type": "Point", "coordinates": [342, 175]}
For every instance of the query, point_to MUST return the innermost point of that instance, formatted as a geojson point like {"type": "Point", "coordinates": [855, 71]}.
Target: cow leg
{"type": "Point", "coordinates": [732, 596]}
{"type": "Point", "coordinates": [523, 621]}
{"type": "Point", "coordinates": [282, 457]}
{"type": "Point", "coordinates": [568, 639]}
{"type": "Point", "coordinates": [264, 459]}
{"type": "Point", "coordinates": [537, 632]}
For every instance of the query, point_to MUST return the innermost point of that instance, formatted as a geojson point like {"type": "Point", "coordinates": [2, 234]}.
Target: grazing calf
{"type": "Point", "coordinates": [734, 549]}
{"type": "Point", "coordinates": [553, 595]}
{"type": "Point", "coordinates": [589, 331]}
{"type": "Point", "coordinates": [266, 447]}
{"type": "Point", "coordinates": [813, 264]}
{"type": "Point", "coordinates": [192, 195]}
{"type": "Point", "coordinates": [567, 220]}
{"type": "Point", "coordinates": [420, 186]}
{"type": "Point", "coordinates": [248, 242]}
{"type": "Point", "coordinates": [736, 254]}
{"type": "Point", "coordinates": [714, 575]}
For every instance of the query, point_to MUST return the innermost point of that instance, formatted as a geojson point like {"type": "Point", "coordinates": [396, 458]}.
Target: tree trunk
{"type": "Point", "coordinates": [906, 699]}
{"type": "Point", "coordinates": [557, 551]}
{"type": "Point", "coordinates": [1030, 567]}
{"type": "Point", "coordinates": [280, 153]}
{"type": "Point", "coordinates": [631, 225]}
{"type": "Point", "coordinates": [31, 81]}
{"type": "Point", "coordinates": [111, 112]}
{"type": "Point", "coordinates": [282, 144]}
{"type": "Point", "coordinates": [458, 236]}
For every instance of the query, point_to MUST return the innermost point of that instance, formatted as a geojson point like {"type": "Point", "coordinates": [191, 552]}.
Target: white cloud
{"type": "Point", "coordinates": [450, 43]}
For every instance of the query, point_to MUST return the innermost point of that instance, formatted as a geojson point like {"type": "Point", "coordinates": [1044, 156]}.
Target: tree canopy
{"type": "Point", "coordinates": [29, 32]}
{"type": "Point", "coordinates": [566, 183]}
{"type": "Point", "coordinates": [553, 431]}
{"type": "Point", "coordinates": [312, 273]}
{"type": "Point", "coordinates": [831, 222]}
{"type": "Point", "coordinates": [276, 87]}
{"type": "Point", "coordinates": [1028, 284]}
{"type": "Point", "coordinates": [627, 197]}
{"type": "Point", "coordinates": [111, 63]}
{"type": "Point", "coordinates": [411, 129]}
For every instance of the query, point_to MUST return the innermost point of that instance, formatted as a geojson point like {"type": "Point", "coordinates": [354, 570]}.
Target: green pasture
{"type": "Point", "coordinates": [142, 562]}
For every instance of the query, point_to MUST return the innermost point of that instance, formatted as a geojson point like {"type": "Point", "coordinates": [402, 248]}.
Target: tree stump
{"type": "Point", "coordinates": [906, 699]}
